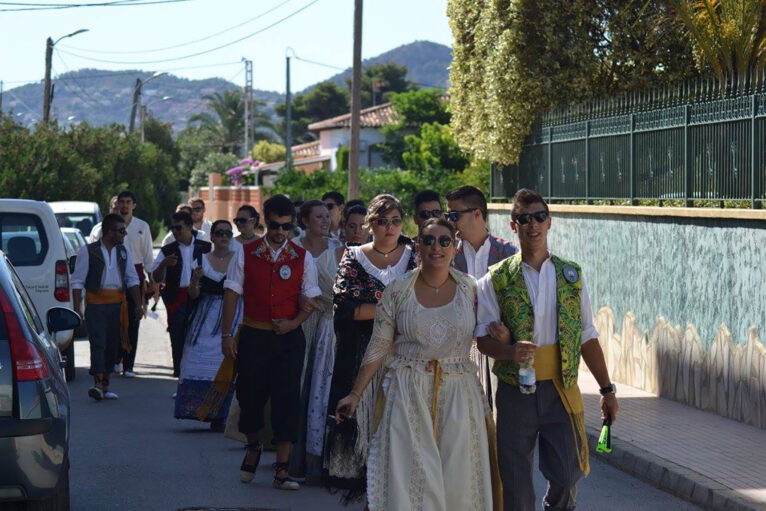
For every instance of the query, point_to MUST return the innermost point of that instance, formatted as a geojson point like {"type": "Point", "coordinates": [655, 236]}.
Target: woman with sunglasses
{"type": "Point", "coordinates": [314, 216]}
{"type": "Point", "coordinates": [364, 273]}
{"type": "Point", "coordinates": [432, 443]}
{"type": "Point", "coordinates": [202, 350]}
{"type": "Point", "coordinates": [247, 223]}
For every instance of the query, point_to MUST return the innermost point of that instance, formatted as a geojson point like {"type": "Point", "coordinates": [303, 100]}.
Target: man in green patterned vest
{"type": "Point", "coordinates": [534, 310]}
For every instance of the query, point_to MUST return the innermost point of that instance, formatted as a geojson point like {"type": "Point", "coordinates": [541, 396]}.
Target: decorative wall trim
{"type": "Point", "coordinates": [727, 379]}
{"type": "Point", "coordinates": [737, 214]}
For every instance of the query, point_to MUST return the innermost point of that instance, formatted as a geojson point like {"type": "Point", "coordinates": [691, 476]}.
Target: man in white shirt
{"type": "Point", "coordinates": [172, 269]}
{"type": "Point", "coordinates": [139, 244]}
{"type": "Point", "coordinates": [200, 235]}
{"type": "Point", "coordinates": [335, 203]}
{"type": "Point", "coordinates": [534, 310]}
{"type": "Point", "coordinates": [271, 274]}
{"type": "Point", "coordinates": [427, 205]}
{"type": "Point", "coordinates": [95, 233]}
{"type": "Point", "coordinates": [477, 250]}
{"type": "Point", "coordinates": [105, 270]}
{"type": "Point", "coordinates": [200, 223]}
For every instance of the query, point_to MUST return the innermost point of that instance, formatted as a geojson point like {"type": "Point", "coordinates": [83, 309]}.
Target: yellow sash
{"type": "Point", "coordinates": [109, 296]}
{"type": "Point", "coordinates": [548, 367]}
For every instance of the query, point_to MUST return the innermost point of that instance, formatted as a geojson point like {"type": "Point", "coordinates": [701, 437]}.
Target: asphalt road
{"type": "Point", "coordinates": [131, 454]}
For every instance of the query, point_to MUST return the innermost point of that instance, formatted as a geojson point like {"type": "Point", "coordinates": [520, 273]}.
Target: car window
{"type": "Point", "coordinates": [82, 221]}
{"type": "Point", "coordinates": [23, 238]}
{"type": "Point", "coordinates": [27, 307]}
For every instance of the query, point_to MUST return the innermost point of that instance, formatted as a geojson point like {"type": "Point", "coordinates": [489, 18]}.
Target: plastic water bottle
{"type": "Point", "coordinates": [527, 379]}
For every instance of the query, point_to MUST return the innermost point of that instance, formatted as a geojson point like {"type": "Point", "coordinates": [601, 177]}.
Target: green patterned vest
{"type": "Point", "coordinates": [516, 312]}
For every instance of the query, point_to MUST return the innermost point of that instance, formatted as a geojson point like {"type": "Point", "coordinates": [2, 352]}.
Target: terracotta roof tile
{"type": "Point", "coordinates": [373, 117]}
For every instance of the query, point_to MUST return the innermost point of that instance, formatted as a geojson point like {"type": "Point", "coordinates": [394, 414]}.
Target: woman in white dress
{"type": "Point", "coordinates": [202, 351]}
{"type": "Point", "coordinates": [355, 234]}
{"type": "Point", "coordinates": [315, 219]}
{"type": "Point", "coordinates": [431, 449]}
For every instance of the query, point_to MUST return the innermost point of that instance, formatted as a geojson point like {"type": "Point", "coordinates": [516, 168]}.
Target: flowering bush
{"type": "Point", "coordinates": [235, 173]}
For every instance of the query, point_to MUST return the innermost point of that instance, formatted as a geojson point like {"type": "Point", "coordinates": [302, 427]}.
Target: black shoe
{"type": "Point", "coordinates": [247, 472]}
{"type": "Point", "coordinates": [284, 483]}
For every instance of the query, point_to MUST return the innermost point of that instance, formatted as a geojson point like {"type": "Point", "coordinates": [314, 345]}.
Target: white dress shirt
{"type": "Point", "coordinates": [110, 278]}
{"type": "Point", "coordinates": [235, 276]}
{"type": "Point", "coordinates": [476, 262]}
{"type": "Point", "coordinates": [542, 294]}
{"type": "Point", "coordinates": [187, 253]}
{"type": "Point", "coordinates": [139, 242]}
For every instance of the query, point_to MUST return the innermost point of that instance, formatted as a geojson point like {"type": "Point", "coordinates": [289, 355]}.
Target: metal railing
{"type": "Point", "coordinates": [700, 141]}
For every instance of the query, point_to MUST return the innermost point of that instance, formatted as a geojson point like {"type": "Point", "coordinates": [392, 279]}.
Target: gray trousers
{"type": "Point", "coordinates": [103, 323]}
{"type": "Point", "coordinates": [522, 419]}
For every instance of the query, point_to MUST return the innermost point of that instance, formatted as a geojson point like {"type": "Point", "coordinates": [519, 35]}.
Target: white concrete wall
{"type": "Point", "coordinates": [331, 140]}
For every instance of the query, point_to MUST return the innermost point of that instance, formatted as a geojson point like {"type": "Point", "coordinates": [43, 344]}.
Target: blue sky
{"type": "Point", "coordinates": [317, 30]}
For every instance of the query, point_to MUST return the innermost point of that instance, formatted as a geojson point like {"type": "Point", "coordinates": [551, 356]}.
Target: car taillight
{"type": "Point", "coordinates": [28, 363]}
{"type": "Point", "coordinates": [61, 291]}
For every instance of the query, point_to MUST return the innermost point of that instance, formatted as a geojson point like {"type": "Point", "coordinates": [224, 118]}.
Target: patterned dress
{"type": "Point", "coordinates": [431, 449]}
{"type": "Point", "coordinates": [358, 282]}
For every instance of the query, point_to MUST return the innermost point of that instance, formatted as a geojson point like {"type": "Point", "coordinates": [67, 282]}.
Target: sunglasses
{"type": "Point", "coordinates": [426, 214]}
{"type": "Point", "coordinates": [384, 222]}
{"type": "Point", "coordinates": [223, 233]}
{"type": "Point", "coordinates": [429, 239]}
{"type": "Point", "coordinates": [525, 218]}
{"type": "Point", "coordinates": [197, 209]}
{"type": "Point", "coordinates": [121, 231]}
{"type": "Point", "coordinates": [242, 220]}
{"type": "Point", "coordinates": [329, 205]}
{"type": "Point", "coordinates": [454, 216]}
{"type": "Point", "coordinates": [176, 228]}
{"type": "Point", "coordinates": [287, 226]}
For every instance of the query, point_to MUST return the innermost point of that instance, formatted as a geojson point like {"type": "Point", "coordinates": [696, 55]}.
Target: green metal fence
{"type": "Point", "coordinates": [698, 141]}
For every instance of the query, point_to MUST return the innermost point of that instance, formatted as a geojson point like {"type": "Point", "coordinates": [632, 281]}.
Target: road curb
{"type": "Point", "coordinates": [672, 477]}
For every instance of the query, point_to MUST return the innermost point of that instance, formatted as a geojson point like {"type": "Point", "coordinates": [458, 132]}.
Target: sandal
{"type": "Point", "coordinates": [284, 483]}
{"type": "Point", "coordinates": [247, 472]}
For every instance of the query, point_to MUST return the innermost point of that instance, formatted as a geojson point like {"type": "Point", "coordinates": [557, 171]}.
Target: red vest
{"type": "Point", "coordinates": [271, 289]}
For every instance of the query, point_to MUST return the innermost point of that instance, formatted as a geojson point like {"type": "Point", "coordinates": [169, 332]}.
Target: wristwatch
{"type": "Point", "coordinates": [608, 389]}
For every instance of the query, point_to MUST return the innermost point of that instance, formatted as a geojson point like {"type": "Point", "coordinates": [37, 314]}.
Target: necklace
{"type": "Point", "coordinates": [384, 254]}
{"type": "Point", "coordinates": [221, 257]}
{"type": "Point", "coordinates": [435, 288]}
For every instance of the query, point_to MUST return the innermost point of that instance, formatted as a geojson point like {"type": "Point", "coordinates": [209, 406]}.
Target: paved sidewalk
{"type": "Point", "coordinates": [714, 462]}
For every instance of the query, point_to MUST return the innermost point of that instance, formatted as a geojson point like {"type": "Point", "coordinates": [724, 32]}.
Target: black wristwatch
{"type": "Point", "coordinates": [608, 389]}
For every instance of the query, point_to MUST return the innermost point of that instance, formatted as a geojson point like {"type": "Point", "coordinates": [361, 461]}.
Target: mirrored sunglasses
{"type": "Point", "coordinates": [525, 218]}
{"type": "Point", "coordinates": [429, 239]}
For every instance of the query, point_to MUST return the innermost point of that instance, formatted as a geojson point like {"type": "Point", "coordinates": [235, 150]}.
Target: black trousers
{"type": "Point", "coordinates": [269, 366]}
{"type": "Point", "coordinates": [129, 359]}
{"type": "Point", "coordinates": [177, 330]}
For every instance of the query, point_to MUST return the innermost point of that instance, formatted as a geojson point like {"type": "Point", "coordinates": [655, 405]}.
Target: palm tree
{"type": "Point", "coordinates": [729, 36]}
{"type": "Point", "coordinates": [226, 123]}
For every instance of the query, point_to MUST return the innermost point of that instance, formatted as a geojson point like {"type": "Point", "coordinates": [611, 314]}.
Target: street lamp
{"type": "Point", "coordinates": [137, 98]}
{"type": "Point", "coordinates": [144, 110]}
{"type": "Point", "coordinates": [48, 89]}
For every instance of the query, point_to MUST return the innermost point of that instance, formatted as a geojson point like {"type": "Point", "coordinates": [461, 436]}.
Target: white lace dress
{"type": "Point", "coordinates": [416, 463]}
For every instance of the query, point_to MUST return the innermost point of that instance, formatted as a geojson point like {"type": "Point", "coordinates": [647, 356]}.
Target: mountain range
{"type": "Point", "coordinates": [104, 97]}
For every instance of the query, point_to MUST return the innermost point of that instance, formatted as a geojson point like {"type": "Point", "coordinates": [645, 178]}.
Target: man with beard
{"type": "Point", "coordinates": [270, 274]}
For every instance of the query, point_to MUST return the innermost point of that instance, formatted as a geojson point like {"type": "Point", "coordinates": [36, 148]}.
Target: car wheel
{"type": "Point", "coordinates": [69, 369]}
{"type": "Point", "coordinates": [60, 501]}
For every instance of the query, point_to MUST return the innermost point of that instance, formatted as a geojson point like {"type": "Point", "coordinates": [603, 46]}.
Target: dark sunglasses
{"type": "Point", "coordinates": [454, 216]}
{"type": "Point", "coordinates": [383, 221]}
{"type": "Point", "coordinates": [329, 205]}
{"type": "Point", "coordinates": [197, 209]}
{"type": "Point", "coordinates": [123, 230]}
{"type": "Point", "coordinates": [223, 233]}
{"type": "Point", "coordinates": [525, 218]}
{"type": "Point", "coordinates": [429, 239]}
{"type": "Point", "coordinates": [287, 226]}
{"type": "Point", "coordinates": [426, 214]}
{"type": "Point", "coordinates": [241, 219]}
{"type": "Point", "coordinates": [176, 228]}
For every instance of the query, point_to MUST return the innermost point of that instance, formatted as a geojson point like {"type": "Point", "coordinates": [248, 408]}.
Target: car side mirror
{"type": "Point", "coordinates": [61, 318]}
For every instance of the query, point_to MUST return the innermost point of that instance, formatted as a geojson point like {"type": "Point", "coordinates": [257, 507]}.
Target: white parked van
{"type": "Point", "coordinates": [31, 239]}
{"type": "Point", "coordinates": [81, 215]}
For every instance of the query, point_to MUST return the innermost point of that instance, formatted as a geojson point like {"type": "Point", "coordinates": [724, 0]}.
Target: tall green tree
{"type": "Point", "coordinates": [323, 101]}
{"type": "Point", "coordinates": [513, 59]}
{"type": "Point", "coordinates": [380, 81]}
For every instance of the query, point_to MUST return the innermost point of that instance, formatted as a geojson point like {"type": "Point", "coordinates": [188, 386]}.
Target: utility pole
{"type": "Point", "coordinates": [1, 98]}
{"type": "Point", "coordinates": [356, 104]}
{"type": "Point", "coordinates": [143, 118]}
{"type": "Point", "coordinates": [288, 122]}
{"type": "Point", "coordinates": [248, 93]}
{"type": "Point", "coordinates": [47, 86]}
{"type": "Point", "coordinates": [136, 100]}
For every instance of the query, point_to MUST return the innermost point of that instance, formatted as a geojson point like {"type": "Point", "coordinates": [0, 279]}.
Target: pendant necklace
{"type": "Point", "coordinates": [384, 254]}
{"type": "Point", "coordinates": [436, 289]}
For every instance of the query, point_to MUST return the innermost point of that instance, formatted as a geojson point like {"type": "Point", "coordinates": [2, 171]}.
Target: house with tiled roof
{"type": "Point", "coordinates": [335, 133]}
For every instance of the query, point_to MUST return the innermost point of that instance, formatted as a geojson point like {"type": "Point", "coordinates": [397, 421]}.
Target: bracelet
{"type": "Point", "coordinates": [224, 336]}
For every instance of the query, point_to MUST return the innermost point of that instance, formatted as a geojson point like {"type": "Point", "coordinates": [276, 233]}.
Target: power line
{"type": "Point", "coordinates": [66, 68]}
{"type": "Point", "coordinates": [199, 52]}
{"type": "Point", "coordinates": [31, 112]}
{"type": "Point", "coordinates": [258, 16]}
{"type": "Point", "coordinates": [117, 3]}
